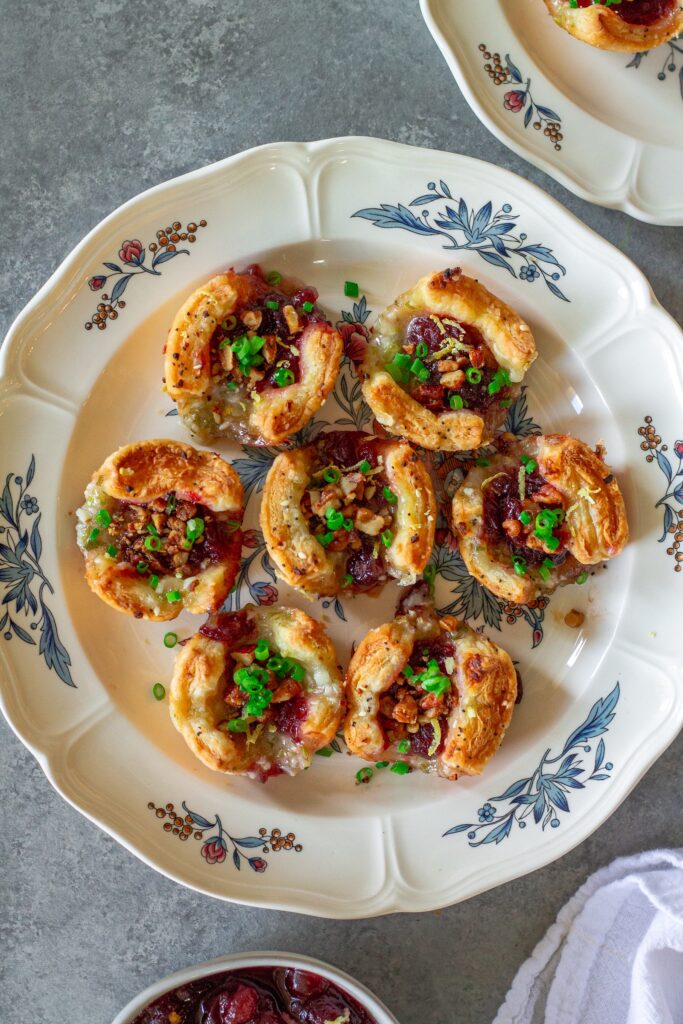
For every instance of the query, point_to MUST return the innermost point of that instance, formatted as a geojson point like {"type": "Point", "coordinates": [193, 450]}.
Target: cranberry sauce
{"type": "Point", "coordinates": [351, 509]}
{"type": "Point", "coordinates": [228, 627]}
{"type": "Point", "coordinates": [503, 507]}
{"type": "Point", "coordinates": [456, 364]}
{"type": "Point", "coordinates": [256, 995]}
{"type": "Point", "coordinates": [637, 12]}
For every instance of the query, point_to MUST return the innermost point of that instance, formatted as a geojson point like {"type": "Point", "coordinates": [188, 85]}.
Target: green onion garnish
{"type": "Point", "coordinates": [525, 517]}
{"type": "Point", "coordinates": [93, 535]}
{"type": "Point", "coordinates": [351, 289]}
{"type": "Point", "coordinates": [142, 567]}
{"type": "Point", "coordinates": [419, 369]}
{"type": "Point", "coordinates": [505, 403]}
{"type": "Point", "coordinates": [519, 565]}
{"type": "Point", "coordinates": [400, 768]}
{"type": "Point", "coordinates": [429, 575]}
{"type": "Point", "coordinates": [152, 543]}
{"type": "Point", "coordinates": [473, 375]}
{"type": "Point", "coordinates": [552, 543]}
{"type": "Point", "coordinates": [387, 538]}
{"type": "Point", "coordinates": [364, 775]}
{"type": "Point", "coordinates": [297, 672]}
{"type": "Point", "coordinates": [171, 503]}
{"type": "Point", "coordinates": [483, 462]}
{"type": "Point", "coordinates": [331, 475]}
{"type": "Point", "coordinates": [408, 671]}
{"type": "Point", "coordinates": [173, 596]}
{"type": "Point", "coordinates": [347, 581]}
{"type": "Point", "coordinates": [500, 380]}
{"type": "Point", "coordinates": [275, 664]}
{"type": "Point", "coordinates": [544, 572]}
{"type": "Point", "coordinates": [283, 377]}
{"type": "Point", "coordinates": [335, 519]}
{"type": "Point", "coordinates": [232, 384]}
{"type": "Point", "coordinates": [194, 528]}
{"type": "Point", "coordinates": [112, 551]}
{"type": "Point", "coordinates": [389, 495]}
{"type": "Point", "coordinates": [364, 466]}
{"type": "Point", "coordinates": [403, 746]}
{"type": "Point", "coordinates": [153, 582]}
{"type": "Point", "coordinates": [421, 349]}
{"type": "Point", "coordinates": [582, 578]}
{"type": "Point", "coordinates": [308, 307]}
{"type": "Point", "coordinates": [399, 368]}
{"type": "Point", "coordinates": [324, 538]}
{"type": "Point", "coordinates": [272, 304]}
{"type": "Point", "coordinates": [274, 277]}
{"type": "Point", "coordinates": [262, 650]}
{"type": "Point", "coordinates": [103, 518]}
{"type": "Point", "coordinates": [158, 691]}
{"type": "Point", "coordinates": [456, 402]}
{"type": "Point", "coordinates": [325, 752]}
{"type": "Point", "coordinates": [381, 764]}
{"type": "Point", "coordinates": [237, 725]}
{"type": "Point", "coordinates": [530, 466]}
{"type": "Point", "coordinates": [170, 640]}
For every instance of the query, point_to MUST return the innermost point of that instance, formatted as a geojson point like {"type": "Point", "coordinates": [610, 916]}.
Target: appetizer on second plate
{"type": "Point", "coordinates": [624, 25]}
{"type": "Point", "coordinates": [443, 362]}
{"type": "Point", "coordinates": [348, 512]}
{"type": "Point", "coordinates": [538, 516]}
{"type": "Point", "coordinates": [257, 692]}
{"type": "Point", "coordinates": [160, 530]}
{"type": "Point", "coordinates": [427, 691]}
{"type": "Point", "coordinates": [247, 360]}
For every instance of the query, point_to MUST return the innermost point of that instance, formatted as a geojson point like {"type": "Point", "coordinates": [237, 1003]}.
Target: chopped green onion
{"type": "Point", "coordinates": [403, 746]}
{"type": "Point", "coordinates": [331, 475]}
{"type": "Point", "coordinates": [525, 517]}
{"type": "Point", "coordinates": [421, 349]}
{"type": "Point", "coordinates": [187, 544]}
{"type": "Point", "coordinates": [400, 768]}
{"type": "Point", "coordinates": [351, 289]}
{"type": "Point", "coordinates": [347, 581]}
{"type": "Point", "coordinates": [429, 576]}
{"type": "Point", "coordinates": [364, 775]}
{"type": "Point", "coordinates": [505, 403]}
{"type": "Point", "coordinates": [335, 519]}
{"type": "Point", "coordinates": [544, 572]}
{"type": "Point", "coordinates": [325, 538]}
{"type": "Point", "coordinates": [103, 518]}
{"type": "Point", "coordinates": [552, 543]}
{"type": "Point", "coordinates": [153, 582]}
{"type": "Point", "coordinates": [483, 462]}
{"type": "Point", "coordinates": [348, 525]}
{"type": "Point", "coordinates": [381, 764]}
{"type": "Point", "coordinates": [171, 503]}
{"type": "Point", "coordinates": [582, 578]}
{"type": "Point", "coordinates": [151, 528]}
{"type": "Point", "coordinates": [456, 402]}
{"type": "Point", "coordinates": [519, 565]}
{"type": "Point", "coordinates": [232, 384]}
{"type": "Point", "coordinates": [194, 528]}
{"type": "Point", "coordinates": [275, 664]}
{"type": "Point", "coordinates": [112, 551]}
{"type": "Point", "coordinates": [389, 495]}
{"type": "Point", "coordinates": [152, 543]}
{"type": "Point", "coordinates": [274, 277]}
{"type": "Point", "coordinates": [325, 752]}
{"type": "Point", "coordinates": [408, 672]}
{"type": "Point", "coordinates": [283, 377]}
{"type": "Point", "coordinates": [142, 567]}
{"type": "Point", "coordinates": [93, 535]}
{"type": "Point", "coordinates": [262, 650]}
{"type": "Point", "coordinates": [364, 466]}
{"type": "Point", "coordinates": [297, 672]}
{"type": "Point", "coordinates": [436, 684]}
{"type": "Point", "coordinates": [170, 640]}
{"type": "Point", "coordinates": [308, 307]}
{"type": "Point", "coordinates": [530, 466]}
{"type": "Point", "coordinates": [544, 522]}
{"type": "Point", "coordinates": [500, 380]}
{"type": "Point", "coordinates": [159, 691]}
{"type": "Point", "coordinates": [173, 596]}
{"type": "Point", "coordinates": [399, 368]}
{"type": "Point", "coordinates": [473, 375]}
{"type": "Point", "coordinates": [272, 304]}
{"type": "Point", "coordinates": [387, 538]}
{"type": "Point", "coordinates": [418, 368]}
{"type": "Point", "coordinates": [237, 725]}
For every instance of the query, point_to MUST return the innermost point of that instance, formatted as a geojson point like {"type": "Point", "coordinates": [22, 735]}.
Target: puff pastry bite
{"type": "Point", "coordinates": [160, 530]}
{"type": "Point", "coordinates": [249, 359]}
{"type": "Point", "coordinates": [257, 692]}
{"type": "Point", "coordinates": [427, 691]}
{"type": "Point", "coordinates": [537, 516]}
{"type": "Point", "coordinates": [624, 25]}
{"type": "Point", "coordinates": [443, 363]}
{"type": "Point", "coordinates": [347, 513]}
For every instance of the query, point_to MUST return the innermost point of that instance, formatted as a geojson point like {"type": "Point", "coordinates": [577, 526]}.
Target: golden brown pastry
{"type": "Point", "coordinates": [424, 690]}
{"type": "Point", "coordinates": [160, 530]}
{"type": "Point", "coordinates": [625, 25]}
{"type": "Point", "coordinates": [443, 362]}
{"type": "Point", "coordinates": [250, 360]}
{"type": "Point", "coordinates": [537, 516]}
{"type": "Point", "coordinates": [257, 692]}
{"type": "Point", "coordinates": [347, 512]}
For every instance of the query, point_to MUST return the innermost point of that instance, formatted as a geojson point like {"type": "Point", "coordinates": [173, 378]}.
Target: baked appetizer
{"type": "Point", "coordinates": [537, 516]}
{"type": "Point", "coordinates": [347, 512]}
{"type": "Point", "coordinates": [160, 530]}
{"type": "Point", "coordinates": [428, 691]}
{"type": "Point", "coordinates": [257, 692]}
{"type": "Point", "coordinates": [250, 358]}
{"type": "Point", "coordinates": [443, 362]}
{"type": "Point", "coordinates": [619, 24]}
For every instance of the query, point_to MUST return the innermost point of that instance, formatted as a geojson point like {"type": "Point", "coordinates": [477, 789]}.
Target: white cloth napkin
{"type": "Point", "coordinates": [614, 954]}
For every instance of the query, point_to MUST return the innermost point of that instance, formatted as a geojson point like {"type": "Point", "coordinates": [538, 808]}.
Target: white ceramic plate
{"type": "Point", "coordinates": [242, 961]}
{"type": "Point", "coordinates": [600, 704]}
{"type": "Point", "coordinates": [609, 124]}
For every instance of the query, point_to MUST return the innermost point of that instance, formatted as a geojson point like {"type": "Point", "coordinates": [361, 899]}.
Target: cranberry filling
{"type": "Point", "coordinates": [638, 12]}
{"type": "Point", "coordinates": [257, 995]}
{"type": "Point", "coordinates": [290, 716]}
{"type": "Point", "coordinates": [503, 505]}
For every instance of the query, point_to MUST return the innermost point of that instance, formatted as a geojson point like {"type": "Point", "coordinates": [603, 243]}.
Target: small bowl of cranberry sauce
{"type": "Point", "coordinates": [257, 988]}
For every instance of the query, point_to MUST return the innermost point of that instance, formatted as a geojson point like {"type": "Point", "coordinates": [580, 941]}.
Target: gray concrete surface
{"type": "Point", "coordinates": [100, 100]}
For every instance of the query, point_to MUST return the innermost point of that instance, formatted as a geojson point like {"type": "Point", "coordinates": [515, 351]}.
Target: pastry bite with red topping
{"type": "Point", "coordinates": [624, 25]}
{"type": "Point", "coordinates": [160, 530]}
{"type": "Point", "coordinates": [444, 362]}
{"type": "Point", "coordinates": [538, 516]}
{"type": "Point", "coordinates": [348, 512]}
{"type": "Point", "coordinates": [427, 691]}
{"type": "Point", "coordinates": [257, 692]}
{"type": "Point", "coordinates": [251, 358]}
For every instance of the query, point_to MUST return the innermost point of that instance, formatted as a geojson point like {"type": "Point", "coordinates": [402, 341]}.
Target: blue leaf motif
{"type": "Point", "coordinates": [197, 818]}
{"type": "Point", "coordinates": [555, 794]}
{"type": "Point", "coordinates": [599, 755]}
{"type": "Point", "coordinates": [445, 189]}
{"type": "Point", "coordinates": [165, 255]}
{"type": "Point", "coordinates": [600, 777]}
{"type": "Point", "coordinates": [52, 649]}
{"type": "Point", "coordinates": [555, 290]}
{"type": "Point", "coordinates": [539, 806]}
{"type": "Point", "coordinates": [250, 842]}
{"type": "Point", "coordinates": [481, 219]}
{"type": "Point", "coordinates": [547, 112]}
{"type": "Point", "coordinates": [541, 253]}
{"type": "Point", "coordinates": [457, 828]}
{"type": "Point", "coordinates": [423, 200]}
{"type": "Point", "coordinates": [498, 261]}
{"type": "Point", "coordinates": [120, 287]}
{"type": "Point", "coordinates": [30, 471]}
{"type": "Point", "coordinates": [664, 465]}
{"type": "Point", "coordinates": [511, 791]}
{"type": "Point", "coordinates": [513, 69]}
{"type": "Point", "coordinates": [597, 720]}
{"type": "Point", "coordinates": [528, 116]}
{"type": "Point", "coordinates": [387, 216]}
{"type": "Point", "coordinates": [668, 521]}
{"type": "Point", "coordinates": [500, 833]}
{"type": "Point", "coordinates": [21, 633]}
{"type": "Point", "coordinates": [112, 266]}
{"type": "Point", "coordinates": [236, 859]}
{"type": "Point", "coordinates": [678, 494]}
{"type": "Point", "coordinates": [36, 542]}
